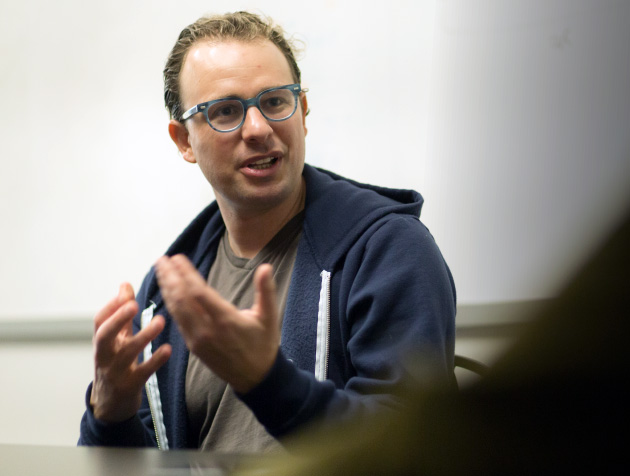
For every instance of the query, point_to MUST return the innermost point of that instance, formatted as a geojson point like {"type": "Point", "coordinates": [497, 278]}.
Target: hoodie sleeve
{"type": "Point", "coordinates": [396, 298]}
{"type": "Point", "coordinates": [129, 433]}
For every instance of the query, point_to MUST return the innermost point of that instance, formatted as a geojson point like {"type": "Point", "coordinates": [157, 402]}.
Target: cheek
{"type": "Point", "coordinates": [206, 148]}
{"type": "Point", "coordinates": [298, 141]}
{"type": "Point", "coordinates": [294, 134]}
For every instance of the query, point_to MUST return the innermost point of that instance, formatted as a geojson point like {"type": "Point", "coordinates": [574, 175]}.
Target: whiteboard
{"type": "Point", "coordinates": [511, 118]}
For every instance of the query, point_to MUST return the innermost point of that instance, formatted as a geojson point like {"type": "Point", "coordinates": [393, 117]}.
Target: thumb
{"type": "Point", "coordinates": [266, 299]}
{"type": "Point", "coordinates": [125, 292]}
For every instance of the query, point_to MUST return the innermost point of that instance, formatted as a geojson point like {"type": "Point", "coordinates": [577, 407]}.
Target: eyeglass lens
{"type": "Point", "coordinates": [276, 105]}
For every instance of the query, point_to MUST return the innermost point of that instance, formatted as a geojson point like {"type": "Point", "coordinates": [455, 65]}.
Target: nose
{"type": "Point", "coordinates": [255, 127]}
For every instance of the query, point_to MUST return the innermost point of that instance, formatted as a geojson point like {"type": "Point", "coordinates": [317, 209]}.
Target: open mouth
{"type": "Point", "coordinates": [263, 163]}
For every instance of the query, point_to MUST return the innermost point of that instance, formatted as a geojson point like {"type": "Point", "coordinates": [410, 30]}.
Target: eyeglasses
{"type": "Point", "coordinates": [228, 114]}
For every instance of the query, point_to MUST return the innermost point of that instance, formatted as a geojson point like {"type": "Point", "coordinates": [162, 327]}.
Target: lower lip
{"type": "Point", "coordinates": [269, 170]}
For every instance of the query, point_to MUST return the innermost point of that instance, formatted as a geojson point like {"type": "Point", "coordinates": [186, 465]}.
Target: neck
{"type": "Point", "coordinates": [250, 231]}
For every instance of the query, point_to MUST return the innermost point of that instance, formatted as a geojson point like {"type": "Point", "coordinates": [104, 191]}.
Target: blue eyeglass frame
{"type": "Point", "coordinates": [247, 103]}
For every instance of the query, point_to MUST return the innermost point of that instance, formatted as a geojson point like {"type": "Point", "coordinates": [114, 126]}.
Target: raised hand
{"type": "Point", "coordinates": [118, 377]}
{"type": "Point", "coordinates": [239, 346]}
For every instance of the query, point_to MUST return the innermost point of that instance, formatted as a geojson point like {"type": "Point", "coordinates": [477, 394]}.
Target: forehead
{"type": "Point", "coordinates": [214, 69]}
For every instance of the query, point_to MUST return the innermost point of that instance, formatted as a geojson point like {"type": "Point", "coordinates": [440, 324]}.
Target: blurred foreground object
{"type": "Point", "coordinates": [555, 402]}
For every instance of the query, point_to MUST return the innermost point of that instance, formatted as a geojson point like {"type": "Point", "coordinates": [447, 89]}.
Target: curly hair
{"type": "Point", "coordinates": [242, 26]}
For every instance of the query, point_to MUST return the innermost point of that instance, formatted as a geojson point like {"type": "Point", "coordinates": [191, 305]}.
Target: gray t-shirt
{"type": "Point", "coordinates": [217, 419]}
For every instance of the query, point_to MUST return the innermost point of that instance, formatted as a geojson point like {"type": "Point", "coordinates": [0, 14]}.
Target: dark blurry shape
{"type": "Point", "coordinates": [554, 403]}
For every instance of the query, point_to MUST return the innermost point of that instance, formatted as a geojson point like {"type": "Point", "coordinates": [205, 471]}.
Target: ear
{"type": "Point", "coordinates": [305, 111]}
{"type": "Point", "coordinates": [179, 135]}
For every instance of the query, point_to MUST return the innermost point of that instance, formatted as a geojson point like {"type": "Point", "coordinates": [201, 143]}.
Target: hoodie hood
{"type": "Point", "coordinates": [361, 205]}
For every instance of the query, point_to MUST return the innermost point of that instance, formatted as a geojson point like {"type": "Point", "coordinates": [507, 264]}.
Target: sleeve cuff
{"type": "Point", "coordinates": [95, 432]}
{"type": "Point", "coordinates": [287, 398]}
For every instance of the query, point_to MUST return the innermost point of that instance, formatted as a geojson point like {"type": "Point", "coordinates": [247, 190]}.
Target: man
{"type": "Point", "coordinates": [289, 300]}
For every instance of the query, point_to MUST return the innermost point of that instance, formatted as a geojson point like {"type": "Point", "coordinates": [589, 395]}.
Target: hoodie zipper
{"type": "Point", "coordinates": [323, 329]}
{"type": "Point", "coordinates": [152, 389]}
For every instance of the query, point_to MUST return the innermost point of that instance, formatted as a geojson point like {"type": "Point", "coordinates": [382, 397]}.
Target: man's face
{"type": "Point", "coordinates": [258, 166]}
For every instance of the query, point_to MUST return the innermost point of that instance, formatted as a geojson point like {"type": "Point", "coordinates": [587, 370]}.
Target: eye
{"type": "Point", "coordinates": [275, 101]}
{"type": "Point", "coordinates": [227, 110]}
{"type": "Point", "coordinates": [223, 111]}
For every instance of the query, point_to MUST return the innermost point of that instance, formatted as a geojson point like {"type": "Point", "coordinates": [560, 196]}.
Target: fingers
{"type": "Point", "coordinates": [265, 299]}
{"type": "Point", "coordinates": [128, 353]}
{"type": "Point", "coordinates": [185, 291]}
{"type": "Point", "coordinates": [113, 324]}
{"type": "Point", "coordinates": [114, 343]}
{"type": "Point", "coordinates": [159, 358]}
{"type": "Point", "coordinates": [118, 377]}
{"type": "Point", "coordinates": [117, 393]}
{"type": "Point", "coordinates": [177, 274]}
{"type": "Point", "coordinates": [125, 294]}
{"type": "Point", "coordinates": [187, 295]}
{"type": "Point", "coordinates": [179, 286]}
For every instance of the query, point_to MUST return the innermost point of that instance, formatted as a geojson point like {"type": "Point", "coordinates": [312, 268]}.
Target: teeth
{"type": "Point", "coordinates": [263, 163]}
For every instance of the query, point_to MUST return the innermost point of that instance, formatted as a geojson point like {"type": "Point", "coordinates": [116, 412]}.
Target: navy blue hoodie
{"type": "Point", "coordinates": [368, 288]}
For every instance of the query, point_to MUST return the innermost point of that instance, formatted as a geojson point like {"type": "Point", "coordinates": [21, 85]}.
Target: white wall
{"type": "Point", "coordinates": [511, 118]}
{"type": "Point", "coordinates": [528, 139]}
{"type": "Point", "coordinates": [43, 391]}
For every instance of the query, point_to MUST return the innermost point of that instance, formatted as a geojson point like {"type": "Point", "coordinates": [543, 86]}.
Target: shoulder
{"type": "Point", "coordinates": [340, 212]}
